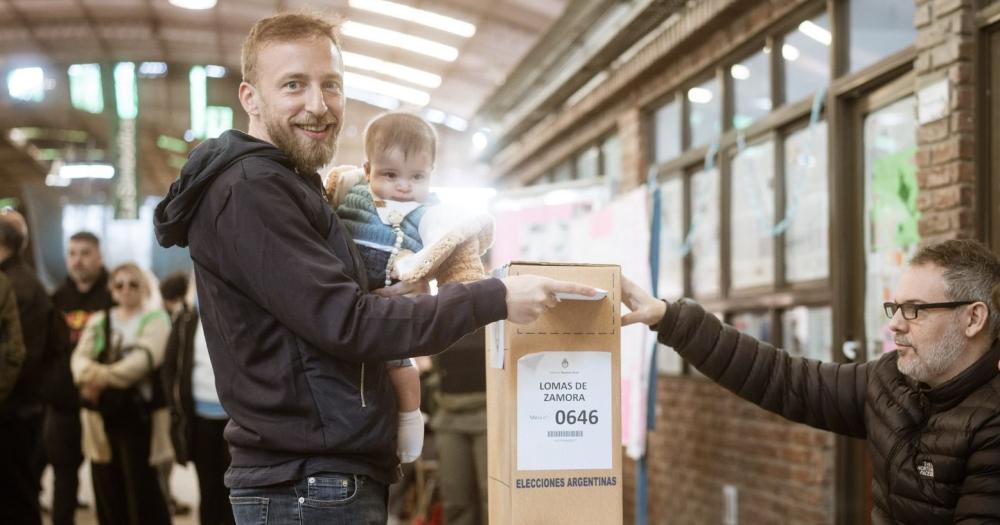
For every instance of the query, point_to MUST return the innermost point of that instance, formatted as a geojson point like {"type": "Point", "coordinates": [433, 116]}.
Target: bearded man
{"type": "Point", "coordinates": [930, 410]}
{"type": "Point", "coordinates": [297, 345]}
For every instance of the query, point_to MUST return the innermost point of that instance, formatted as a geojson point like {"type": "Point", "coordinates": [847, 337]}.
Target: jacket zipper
{"type": "Point", "coordinates": [363, 385]}
{"type": "Point", "coordinates": [888, 478]}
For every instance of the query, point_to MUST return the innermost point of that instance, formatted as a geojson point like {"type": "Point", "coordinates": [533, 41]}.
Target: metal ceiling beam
{"type": "Point", "coordinates": [553, 71]}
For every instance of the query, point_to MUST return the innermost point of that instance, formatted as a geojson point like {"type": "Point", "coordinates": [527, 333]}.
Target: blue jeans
{"type": "Point", "coordinates": [328, 497]}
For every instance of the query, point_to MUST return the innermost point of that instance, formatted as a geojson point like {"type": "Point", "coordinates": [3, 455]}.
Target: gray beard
{"type": "Point", "coordinates": [934, 359]}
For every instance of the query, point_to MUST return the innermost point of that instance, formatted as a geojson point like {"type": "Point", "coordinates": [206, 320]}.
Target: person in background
{"type": "Point", "coordinates": [84, 292]}
{"type": "Point", "coordinates": [11, 341]}
{"type": "Point", "coordinates": [197, 417]}
{"type": "Point", "coordinates": [125, 423]}
{"type": "Point", "coordinates": [930, 410]}
{"type": "Point", "coordinates": [22, 413]}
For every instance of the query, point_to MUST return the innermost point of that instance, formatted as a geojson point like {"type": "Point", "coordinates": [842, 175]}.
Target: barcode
{"type": "Point", "coordinates": [565, 433]}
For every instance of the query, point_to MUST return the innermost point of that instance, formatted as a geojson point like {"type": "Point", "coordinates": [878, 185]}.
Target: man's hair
{"type": "Point", "coordinates": [971, 273]}
{"type": "Point", "coordinates": [85, 236]}
{"type": "Point", "coordinates": [285, 27]}
{"type": "Point", "coordinates": [11, 235]}
{"type": "Point", "coordinates": [402, 130]}
{"type": "Point", "coordinates": [174, 287]}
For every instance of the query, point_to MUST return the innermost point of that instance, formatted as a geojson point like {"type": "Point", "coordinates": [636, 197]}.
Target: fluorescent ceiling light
{"type": "Point", "coordinates": [790, 52]}
{"type": "Point", "coordinates": [215, 71]}
{"type": "Point", "coordinates": [194, 4]}
{"type": "Point", "coordinates": [456, 123]}
{"type": "Point", "coordinates": [435, 115]}
{"type": "Point", "coordinates": [388, 37]}
{"type": "Point", "coordinates": [403, 93]}
{"type": "Point", "coordinates": [816, 32]}
{"type": "Point", "coordinates": [152, 69]}
{"type": "Point", "coordinates": [87, 171]}
{"type": "Point", "coordinates": [56, 181]}
{"type": "Point", "coordinates": [26, 84]}
{"type": "Point", "coordinates": [407, 74]}
{"type": "Point", "coordinates": [372, 99]}
{"type": "Point", "coordinates": [420, 16]}
{"type": "Point", "coordinates": [479, 141]}
{"type": "Point", "coordinates": [700, 95]}
{"type": "Point", "coordinates": [739, 72]}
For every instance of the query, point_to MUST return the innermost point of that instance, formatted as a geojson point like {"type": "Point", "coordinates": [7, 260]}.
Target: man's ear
{"type": "Point", "coordinates": [979, 319]}
{"type": "Point", "coordinates": [248, 99]}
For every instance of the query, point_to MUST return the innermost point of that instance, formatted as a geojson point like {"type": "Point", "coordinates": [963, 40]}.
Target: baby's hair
{"type": "Point", "coordinates": [402, 130]}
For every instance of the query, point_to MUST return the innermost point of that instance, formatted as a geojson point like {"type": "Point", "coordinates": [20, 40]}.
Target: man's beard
{"type": "Point", "coordinates": [934, 358]}
{"type": "Point", "coordinates": [306, 155]}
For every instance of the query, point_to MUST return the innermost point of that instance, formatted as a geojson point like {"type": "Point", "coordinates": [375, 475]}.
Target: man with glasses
{"type": "Point", "coordinates": [930, 410]}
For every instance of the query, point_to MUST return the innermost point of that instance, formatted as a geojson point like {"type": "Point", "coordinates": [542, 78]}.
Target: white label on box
{"type": "Point", "coordinates": [564, 418]}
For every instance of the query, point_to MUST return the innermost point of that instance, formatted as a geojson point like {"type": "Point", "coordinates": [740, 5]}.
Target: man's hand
{"type": "Point", "coordinates": [529, 296]}
{"type": "Point", "coordinates": [645, 308]}
{"type": "Point", "coordinates": [404, 288]}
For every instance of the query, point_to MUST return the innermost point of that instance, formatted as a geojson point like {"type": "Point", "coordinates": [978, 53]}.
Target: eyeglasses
{"type": "Point", "coordinates": [910, 310]}
{"type": "Point", "coordinates": [134, 285]}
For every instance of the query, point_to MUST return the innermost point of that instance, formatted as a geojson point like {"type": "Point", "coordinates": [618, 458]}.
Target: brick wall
{"type": "Point", "coordinates": [946, 147]}
{"type": "Point", "coordinates": [706, 438]}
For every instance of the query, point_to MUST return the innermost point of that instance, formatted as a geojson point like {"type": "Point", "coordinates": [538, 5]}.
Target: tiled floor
{"type": "Point", "coordinates": [183, 482]}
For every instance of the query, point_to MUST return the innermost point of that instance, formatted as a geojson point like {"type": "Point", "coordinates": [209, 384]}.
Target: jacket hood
{"type": "Point", "coordinates": [174, 213]}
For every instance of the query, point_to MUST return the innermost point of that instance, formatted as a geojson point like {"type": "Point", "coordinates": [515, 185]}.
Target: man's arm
{"type": "Point", "coordinates": [278, 259]}
{"type": "Point", "coordinates": [829, 396]}
{"type": "Point", "coordinates": [979, 501]}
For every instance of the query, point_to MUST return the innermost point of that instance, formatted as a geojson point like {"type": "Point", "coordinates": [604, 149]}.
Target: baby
{"type": "Point", "coordinates": [403, 233]}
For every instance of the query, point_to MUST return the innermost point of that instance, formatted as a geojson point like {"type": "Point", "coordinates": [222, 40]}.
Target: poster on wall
{"type": "Point", "coordinates": [619, 234]}
{"type": "Point", "coordinates": [536, 228]}
{"type": "Point", "coordinates": [891, 213]}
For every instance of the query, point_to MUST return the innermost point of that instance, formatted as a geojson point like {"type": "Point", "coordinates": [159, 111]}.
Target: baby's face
{"type": "Point", "coordinates": [396, 177]}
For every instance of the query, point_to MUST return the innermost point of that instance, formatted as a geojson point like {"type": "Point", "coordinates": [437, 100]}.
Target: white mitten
{"type": "Point", "coordinates": [410, 441]}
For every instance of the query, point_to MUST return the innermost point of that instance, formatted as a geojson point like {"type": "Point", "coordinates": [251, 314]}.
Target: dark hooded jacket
{"type": "Point", "coordinates": [935, 452]}
{"type": "Point", "coordinates": [296, 344]}
{"type": "Point", "coordinates": [39, 330]}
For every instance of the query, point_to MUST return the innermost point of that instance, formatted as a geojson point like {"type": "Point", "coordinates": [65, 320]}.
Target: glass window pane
{"type": "Point", "coordinates": [752, 213]}
{"type": "Point", "coordinates": [879, 28]}
{"type": "Point", "coordinates": [563, 172]}
{"type": "Point", "coordinates": [612, 150]}
{"type": "Point", "coordinates": [891, 214]}
{"type": "Point", "coordinates": [671, 278]}
{"type": "Point", "coordinates": [586, 163]}
{"type": "Point", "coordinates": [808, 332]}
{"type": "Point", "coordinates": [751, 89]}
{"type": "Point", "coordinates": [754, 324]}
{"type": "Point", "coordinates": [806, 57]}
{"type": "Point", "coordinates": [806, 205]}
{"type": "Point", "coordinates": [705, 198]}
{"type": "Point", "coordinates": [704, 112]}
{"type": "Point", "coordinates": [667, 132]}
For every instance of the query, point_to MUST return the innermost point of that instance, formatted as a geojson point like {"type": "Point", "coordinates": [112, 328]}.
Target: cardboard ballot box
{"type": "Point", "coordinates": [554, 407]}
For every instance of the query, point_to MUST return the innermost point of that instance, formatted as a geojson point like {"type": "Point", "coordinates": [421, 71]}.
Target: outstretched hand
{"type": "Point", "coordinates": [645, 308]}
{"type": "Point", "coordinates": [529, 296]}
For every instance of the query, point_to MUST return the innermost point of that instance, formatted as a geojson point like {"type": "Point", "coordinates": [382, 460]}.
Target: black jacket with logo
{"type": "Point", "coordinates": [935, 451]}
{"type": "Point", "coordinates": [74, 308]}
{"type": "Point", "coordinates": [296, 344]}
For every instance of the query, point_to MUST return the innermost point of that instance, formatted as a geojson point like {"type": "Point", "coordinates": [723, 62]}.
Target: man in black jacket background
{"type": "Point", "coordinates": [297, 344]}
{"type": "Point", "coordinates": [84, 292]}
{"type": "Point", "coordinates": [21, 414]}
{"type": "Point", "coordinates": [930, 410]}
